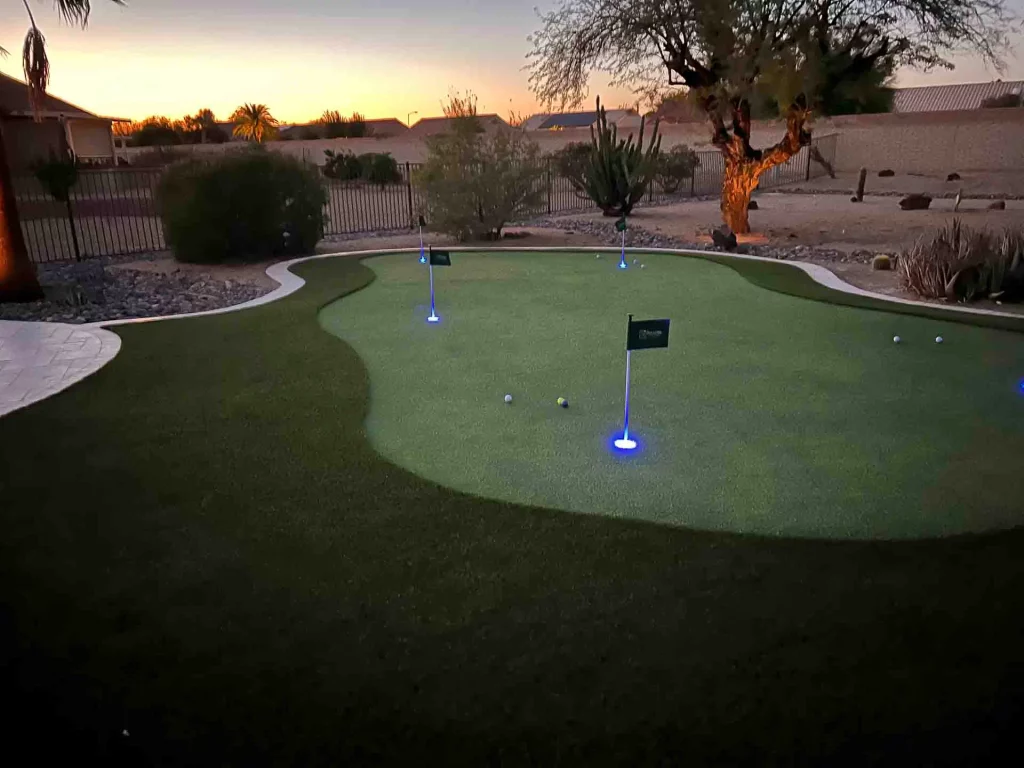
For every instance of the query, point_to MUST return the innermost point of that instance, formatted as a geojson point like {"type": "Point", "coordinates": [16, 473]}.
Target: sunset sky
{"type": "Point", "coordinates": [384, 58]}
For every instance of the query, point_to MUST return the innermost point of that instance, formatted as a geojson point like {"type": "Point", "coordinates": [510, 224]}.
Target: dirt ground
{"type": "Point", "coordinates": [786, 220]}
{"type": "Point", "coordinates": [828, 221]}
{"type": "Point", "coordinates": [986, 184]}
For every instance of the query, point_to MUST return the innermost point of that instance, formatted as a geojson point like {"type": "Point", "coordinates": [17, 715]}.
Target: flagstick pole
{"type": "Point", "coordinates": [431, 269]}
{"type": "Point", "coordinates": [625, 427]}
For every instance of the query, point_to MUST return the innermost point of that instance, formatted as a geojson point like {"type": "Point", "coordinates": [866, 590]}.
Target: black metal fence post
{"type": "Point", "coordinates": [549, 184]}
{"type": "Point", "coordinates": [807, 175]}
{"type": "Point", "coordinates": [408, 193]}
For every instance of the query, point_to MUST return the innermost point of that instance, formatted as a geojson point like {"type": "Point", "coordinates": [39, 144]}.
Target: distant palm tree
{"type": "Point", "coordinates": [205, 120]}
{"type": "Point", "coordinates": [254, 122]}
{"type": "Point", "coordinates": [18, 280]}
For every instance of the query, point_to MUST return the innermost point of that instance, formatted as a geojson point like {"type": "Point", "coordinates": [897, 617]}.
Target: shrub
{"type": "Point", "coordinates": [343, 166]}
{"type": "Point", "coordinates": [57, 175]}
{"type": "Point", "coordinates": [674, 167]}
{"type": "Point", "coordinates": [960, 264]}
{"type": "Point", "coordinates": [379, 168]}
{"type": "Point", "coordinates": [475, 183]}
{"type": "Point", "coordinates": [242, 206]}
{"type": "Point", "coordinates": [881, 262]}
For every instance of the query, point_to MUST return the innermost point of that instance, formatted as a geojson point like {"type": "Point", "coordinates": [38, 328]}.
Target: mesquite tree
{"type": "Point", "coordinates": [723, 50]}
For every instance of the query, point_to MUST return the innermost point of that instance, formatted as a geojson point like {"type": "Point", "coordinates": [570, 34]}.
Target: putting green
{"type": "Point", "coordinates": [768, 414]}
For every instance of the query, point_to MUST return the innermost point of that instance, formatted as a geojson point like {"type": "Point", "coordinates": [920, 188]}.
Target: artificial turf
{"type": "Point", "coordinates": [201, 548]}
{"type": "Point", "coordinates": [767, 414]}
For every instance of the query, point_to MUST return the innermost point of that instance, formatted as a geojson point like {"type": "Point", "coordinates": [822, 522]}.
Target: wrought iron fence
{"type": "Point", "coordinates": [112, 212]}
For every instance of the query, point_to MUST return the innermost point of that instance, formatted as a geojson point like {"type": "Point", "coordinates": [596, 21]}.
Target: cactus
{"type": "Point", "coordinates": [618, 171]}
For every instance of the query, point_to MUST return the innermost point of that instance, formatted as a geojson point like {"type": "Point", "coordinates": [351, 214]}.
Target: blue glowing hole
{"type": "Point", "coordinates": [433, 319]}
{"type": "Point", "coordinates": [423, 259]}
{"type": "Point", "coordinates": [625, 444]}
{"type": "Point", "coordinates": [623, 265]}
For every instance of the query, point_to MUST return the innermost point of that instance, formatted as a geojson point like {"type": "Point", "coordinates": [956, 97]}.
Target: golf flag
{"type": "Point", "coordinates": [440, 258]}
{"type": "Point", "coordinates": [646, 334]}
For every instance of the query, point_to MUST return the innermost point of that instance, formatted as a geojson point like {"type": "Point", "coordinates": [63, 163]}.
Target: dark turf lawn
{"type": "Point", "coordinates": [200, 547]}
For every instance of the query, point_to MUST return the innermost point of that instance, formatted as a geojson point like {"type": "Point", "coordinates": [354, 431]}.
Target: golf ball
{"type": "Point", "coordinates": [563, 402]}
{"type": "Point", "coordinates": [642, 266]}
{"type": "Point", "coordinates": [508, 398]}
{"type": "Point", "coordinates": [597, 255]}
{"type": "Point", "coordinates": [896, 339]}
{"type": "Point", "coordinates": [938, 339]}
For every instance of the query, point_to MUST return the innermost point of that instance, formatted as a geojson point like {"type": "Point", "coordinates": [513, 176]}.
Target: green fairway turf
{"type": "Point", "coordinates": [204, 562]}
{"type": "Point", "coordinates": [767, 414]}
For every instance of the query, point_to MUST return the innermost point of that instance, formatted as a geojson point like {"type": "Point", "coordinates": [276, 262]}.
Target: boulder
{"type": "Point", "coordinates": [752, 205]}
{"type": "Point", "coordinates": [886, 172]}
{"type": "Point", "coordinates": [953, 177]}
{"type": "Point", "coordinates": [723, 237]}
{"type": "Point", "coordinates": [854, 199]}
{"type": "Point", "coordinates": [915, 202]}
{"type": "Point", "coordinates": [998, 205]}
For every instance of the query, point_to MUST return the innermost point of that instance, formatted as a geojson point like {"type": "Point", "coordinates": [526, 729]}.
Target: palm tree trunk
{"type": "Point", "coordinates": [18, 280]}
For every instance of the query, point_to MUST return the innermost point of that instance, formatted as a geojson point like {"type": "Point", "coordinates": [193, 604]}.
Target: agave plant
{"type": "Point", "coordinates": [618, 171]}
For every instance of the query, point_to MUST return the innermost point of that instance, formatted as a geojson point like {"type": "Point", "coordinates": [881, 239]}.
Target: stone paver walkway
{"type": "Point", "coordinates": [40, 359]}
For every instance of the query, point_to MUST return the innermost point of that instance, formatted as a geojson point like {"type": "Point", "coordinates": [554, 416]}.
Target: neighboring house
{"type": "Point", "coordinates": [61, 126]}
{"type": "Point", "coordinates": [430, 126]}
{"type": "Point", "coordinates": [381, 128]}
{"type": "Point", "coordinates": [564, 120]}
{"type": "Point", "coordinates": [945, 98]}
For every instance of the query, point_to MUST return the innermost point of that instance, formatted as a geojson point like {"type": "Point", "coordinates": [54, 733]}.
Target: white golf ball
{"type": "Point", "coordinates": [896, 339]}
{"type": "Point", "coordinates": [508, 398]}
{"type": "Point", "coordinates": [642, 266]}
{"type": "Point", "coordinates": [597, 255]}
{"type": "Point", "coordinates": [938, 339]}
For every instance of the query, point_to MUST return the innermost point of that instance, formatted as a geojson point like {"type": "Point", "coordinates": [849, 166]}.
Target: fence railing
{"type": "Point", "coordinates": [112, 212]}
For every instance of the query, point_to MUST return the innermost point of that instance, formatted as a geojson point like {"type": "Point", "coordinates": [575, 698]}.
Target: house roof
{"type": "Point", "coordinates": [429, 126]}
{"type": "Point", "coordinates": [14, 103]}
{"type": "Point", "coordinates": [574, 119]}
{"type": "Point", "coordinates": [942, 98]}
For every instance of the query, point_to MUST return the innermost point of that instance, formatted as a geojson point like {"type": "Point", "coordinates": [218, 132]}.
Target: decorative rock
{"type": "Point", "coordinates": [752, 205]}
{"type": "Point", "coordinates": [915, 202]}
{"type": "Point", "coordinates": [854, 199]}
{"type": "Point", "coordinates": [886, 172]}
{"type": "Point", "coordinates": [953, 177]}
{"type": "Point", "coordinates": [723, 237]}
{"type": "Point", "coordinates": [998, 205]}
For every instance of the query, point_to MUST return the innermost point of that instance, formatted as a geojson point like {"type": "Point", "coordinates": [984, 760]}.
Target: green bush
{"type": "Point", "coordinates": [674, 167]}
{"type": "Point", "coordinates": [474, 183]}
{"type": "Point", "coordinates": [57, 175]}
{"type": "Point", "coordinates": [242, 206]}
{"type": "Point", "coordinates": [374, 167]}
{"type": "Point", "coordinates": [343, 166]}
{"type": "Point", "coordinates": [380, 168]}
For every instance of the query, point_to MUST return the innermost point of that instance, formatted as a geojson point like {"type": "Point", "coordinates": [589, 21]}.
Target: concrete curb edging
{"type": "Point", "coordinates": [289, 283]}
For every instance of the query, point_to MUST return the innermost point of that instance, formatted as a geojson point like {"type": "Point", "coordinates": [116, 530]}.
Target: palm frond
{"type": "Point", "coordinates": [74, 11]}
{"type": "Point", "coordinates": [37, 69]}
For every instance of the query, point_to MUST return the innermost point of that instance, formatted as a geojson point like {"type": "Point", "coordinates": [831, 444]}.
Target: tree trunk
{"type": "Point", "coordinates": [17, 274]}
{"type": "Point", "coordinates": [739, 181]}
{"type": "Point", "coordinates": [744, 164]}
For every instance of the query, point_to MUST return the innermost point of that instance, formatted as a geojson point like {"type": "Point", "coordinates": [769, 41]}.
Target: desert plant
{"type": "Point", "coordinates": [674, 167]}
{"type": "Point", "coordinates": [241, 206]}
{"type": "Point", "coordinates": [881, 263]}
{"type": "Point", "coordinates": [379, 168]}
{"type": "Point", "coordinates": [617, 172]}
{"type": "Point", "coordinates": [960, 264]}
{"type": "Point", "coordinates": [343, 166]}
{"type": "Point", "coordinates": [57, 175]}
{"type": "Point", "coordinates": [474, 183]}
{"type": "Point", "coordinates": [571, 161]}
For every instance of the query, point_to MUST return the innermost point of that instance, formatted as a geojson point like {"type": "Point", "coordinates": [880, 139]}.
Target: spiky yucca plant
{"type": "Point", "coordinates": [618, 171]}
